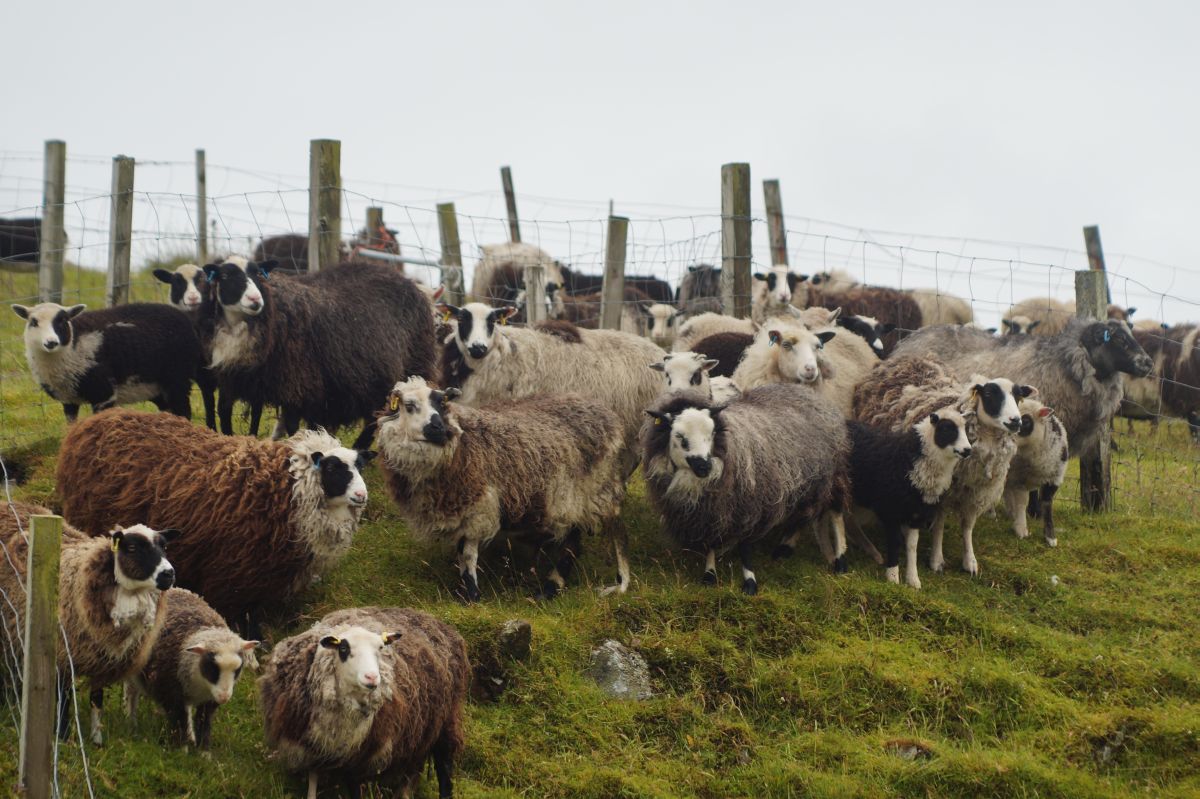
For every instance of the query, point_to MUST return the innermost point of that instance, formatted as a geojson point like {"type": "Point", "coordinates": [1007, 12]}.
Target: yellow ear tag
{"type": "Point", "coordinates": [657, 421]}
{"type": "Point", "coordinates": [115, 544]}
{"type": "Point", "coordinates": [394, 403]}
{"type": "Point", "coordinates": [446, 316]}
{"type": "Point", "coordinates": [504, 319]}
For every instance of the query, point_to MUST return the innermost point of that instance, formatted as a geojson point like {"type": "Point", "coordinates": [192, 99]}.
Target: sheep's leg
{"type": "Point", "coordinates": [207, 384]}
{"type": "Point", "coordinates": [839, 541]}
{"type": "Point", "coordinates": [66, 695]}
{"type": "Point", "coordinates": [892, 564]}
{"type": "Point", "coordinates": [288, 424]}
{"type": "Point", "coordinates": [443, 764]}
{"type": "Point", "coordinates": [1048, 492]}
{"type": "Point", "coordinates": [911, 536]}
{"type": "Point", "coordinates": [1015, 502]}
{"type": "Point", "coordinates": [860, 538]}
{"type": "Point", "coordinates": [468, 560]}
{"type": "Point", "coordinates": [225, 412]}
{"type": "Point", "coordinates": [204, 719]}
{"type": "Point", "coordinates": [936, 561]}
{"type": "Point", "coordinates": [366, 436]}
{"type": "Point", "coordinates": [97, 702]}
{"type": "Point", "coordinates": [189, 724]}
{"type": "Point", "coordinates": [568, 551]}
{"type": "Point", "coordinates": [71, 411]}
{"type": "Point", "coordinates": [1034, 508]}
{"type": "Point", "coordinates": [787, 547]}
{"type": "Point", "coordinates": [710, 568]}
{"type": "Point", "coordinates": [178, 400]}
{"type": "Point", "coordinates": [131, 695]}
{"type": "Point", "coordinates": [970, 564]}
{"type": "Point", "coordinates": [256, 407]}
{"type": "Point", "coordinates": [749, 583]}
{"type": "Point", "coordinates": [620, 538]}
{"type": "Point", "coordinates": [312, 785]}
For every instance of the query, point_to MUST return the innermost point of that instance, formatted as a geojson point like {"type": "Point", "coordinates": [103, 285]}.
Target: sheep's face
{"type": "Point", "coordinates": [47, 326]}
{"type": "Point", "coordinates": [556, 307]}
{"type": "Point", "coordinates": [774, 289]}
{"type": "Point", "coordinates": [870, 330]}
{"type": "Point", "coordinates": [693, 435]}
{"type": "Point", "coordinates": [188, 285]}
{"type": "Point", "coordinates": [1112, 348]}
{"type": "Point", "coordinates": [340, 470]}
{"type": "Point", "coordinates": [944, 434]}
{"type": "Point", "coordinates": [661, 320]}
{"type": "Point", "coordinates": [798, 348]}
{"type": "Point", "coordinates": [996, 402]}
{"type": "Point", "coordinates": [139, 560]}
{"type": "Point", "coordinates": [475, 333]}
{"type": "Point", "coordinates": [1037, 425]}
{"type": "Point", "coordinates": [417, 415]}
{"type": "Point", "coordinates": [1019, 325]}
{"type": "Point", "coordinates": [686, 371]}
{"type": "Point", "coordinates": [218, 665]}
{"type": "Point", "coordinates": [240, 285]}
{"type": "Point", "coordinates": [357, 651]}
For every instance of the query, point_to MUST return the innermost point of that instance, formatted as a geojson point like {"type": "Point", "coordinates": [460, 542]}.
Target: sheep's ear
{"type": "Point", "coordinates": [1033, 324]}
{"type": "Point", "coordinates": [760, 276]}
{"type": "Point", "coordinates": [1010, 324]}
{"type": "Point", "coordinates": [992, 330]}
{"type": "Point", "coordinates": [660, 417]}
{"type": "Point", "coordinates": [934, 418]}
{"type": "Point", "coordinates": [438, 292]}
{"type": "Point", "coordinates": [835, 313]}
{"type": "Point", "coordinates": [452, 393]}
{"type": "Point", "coordinates": [197, 650]}
{"type": "Point", "coordinates": [116, 536]}
{"type": "Point", "coordinates": [659, 367]}
{"type": "Point", "coordinates": [1044, 412]}
{"type": "Point", "coordinates": [1025, 391]}
{"type": "Point", "coordinates": [677, 314]}
{"type": "Point", "coordinates": [212, 272]}
{"type": "Point", "coordinates": [331, 642]}
{"type": "Point", "coordinates": [773, 337]}
{"type": "Point", "coordinates": [316, 458]}
{"type": "Point", "coordinates": [975, 389]}
{"type": "Point", "coordinates": [801, 278]}
{"type": "Point", "coordinates": [21, 311]}
{"type": "Point", "coordinates": [163, 275]}
{"type": "Point", "coordinates": [365, 456]}
{"type": "Point", "coordinates": [75, 310]}
{"type": "Point", "coordinates": [826, 336]}
{"type": "Point", "coordinates": [446, 310]}
{"type": "Point", "coordinates": [504, 313]}
{"type": "Point", "coordinates": [170, 534]}
{"type": "Point", "coordinates": [692, 268]}
{"type": "Point", "coordinates": [266, 266]}
{"type": "Point", "coordinates": [249, 645]}
{"type": "Point", "coordinates": [391, 638]}
{"type": "Point", "coordinates": [708, 364]}
{"type": "Point", "coordinates": [1130, 311]}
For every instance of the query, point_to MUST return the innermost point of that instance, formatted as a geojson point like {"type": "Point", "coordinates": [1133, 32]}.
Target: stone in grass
{"type": "Point", "coordinates": [620, 673]}
{"type": "Point", "coordinates": [908, 749]}
{"type": "Point", "coordinates": [515, 639]}
{"type": "Point", "coordinates": [491, 679]}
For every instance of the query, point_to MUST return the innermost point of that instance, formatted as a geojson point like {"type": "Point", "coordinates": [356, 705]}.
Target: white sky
{"type": "Point", "coordinates": [1014, 122]}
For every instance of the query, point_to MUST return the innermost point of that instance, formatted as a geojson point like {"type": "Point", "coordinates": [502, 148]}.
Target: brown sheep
{"type": "Point", "coordinates": [888, 306]}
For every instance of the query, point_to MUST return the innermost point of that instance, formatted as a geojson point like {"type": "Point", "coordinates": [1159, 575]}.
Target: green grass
{"type": "Point", "coordinates": [1013, 687]}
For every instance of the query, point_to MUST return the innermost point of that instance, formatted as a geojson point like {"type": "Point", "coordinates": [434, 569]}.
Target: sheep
{"type": "Point", "coordinates": [690, 371]}
{"type": "Point", "coordinates": [515, 256]}
{"type": "Point", "coordinates": [834, 280]}
{"type": "Point", "coordinates": [109, 601]}
{"type": "Point", "coordinates": [507, 287]}
{"type": "Point", "coordinates": [938, 308]}
{"type": "Point", "coordinates": [726, 476]}
{"type": "Point", "coordinates": [661, 323]}
{"type": "Point", "coordinates": [889, 306]}
{"type": "Point", "coordinates": [903, 390]}
{"type": "Point", "coordinates": [1173, 385]}
{"type": "Point", "coordinates": [657, 289]}
{"type": "Point", "coordinates": [1048, 317]}
{"type": "Point", "coordinates": [193, 667]}
{"type": "Point", "coordinates": [21, 240]}
{"type": "Point", "coordinates": [1037, 469]}
{"type": "Point", "coordinates": [1019, 325]}
{"type": "Point", "coordinates": [323, 347]}
{"type": "Point", "coordinates": [901, 477]}
{"type": "Point", "coordinates": [550, 466]}
{"type": "Point", "coordinates": [771, 292]}
{"type": "Point", "coordinates": [290, 251]}
{"type": "Point", "coordinates": [1076, 371]}
{"type": "Point", "coordinates": [113, 356]}
{"type": "Point", "coordinates": [699, 289]}
{"type": "Point", "coordinates": [260, 519]}
{"type": "Point", "coordinates": [726, 349]}
{"type": "Point", "coordinates": [703, 325]}
{"type": "Point", "coordinates": [368, 695]}
{"type": "Point", "coordinates": [490, 360]}
{"type": "Point", "coordinates": [867, 328]}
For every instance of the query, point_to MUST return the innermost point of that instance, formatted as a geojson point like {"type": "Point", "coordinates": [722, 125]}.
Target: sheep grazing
{"type": "Point", "coordinates": [113, 356]}
{"type": "Point", "coordinates": [192, 668]}
{"type": "Point", "coordinates": [938, 308]}
{"type": "Point", "coordinates": [490, 361]}
{"type": "Point", "coordinates": [1077, 371]}
{"type": "Point", "coordinates": [1037, 469]}
{"type": "Point", "coordinates": [109, 601]}
{"type": "Point", "coordinates": [662, 320]}
{"type": "Point", "coordinates": [549, 466]}
{"type": "Point", "coordinates": [888, 306]}
{"type": "Point", "coordinates": [700, 290]}
{"type": "Point", "coordinates": [368, 695]}
{"type": "Point", "coordinates": [726, 349]}
{"type": "Point", "coordinates": [500, 274]}
{"type": "Point", "coordinates": [689, 371]}
{"type": "Point", "coordinates": [904, 390]}
{"type": "Point", "coordinates": [902, 476]}
{"type": "Point", "coordinates": [290, 508]}
{"type": "Point", "coordinates": [323, 347]}
{"type": "Point", "coordinates": [728, 476]}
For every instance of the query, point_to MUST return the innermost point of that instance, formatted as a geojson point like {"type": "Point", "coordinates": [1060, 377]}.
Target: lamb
{"type": "Point", "coordinates": [113, 356]}
{"type": "Point", "coordinates": [725, 477]}
{"type": "Point", "coordinates": [689, 371]}
{"type": "Point", "coordinates": [886, 305]}
{"type": "Point", "coordinates": [904, 390]}
{"type": "Point", "coordinates": [1077, 371]}
{"type": "Point", "coordinates": [1038, 467]}
{"type": "Point", "coordinates": [512, 259]}
{"type": "Point", "coordinates": [661, 323]}
{"type": "Point", "coordinates": [193, 667]}
{"type": "Point", "coordinates": [260, 519]}
{"type": "Point", "coordinates": [490, 361]}
{"type": "Point", "coordinates": [726, 349]}
{"type": "Point", "coordinates": [369, 695]}
{"type": "Point", "coordinates": [549, 466]}
{"type": "Point", "coordinates": [902, 476]}
{"type": "Point", "coordinates": [288, 344]}
{"type": "Point", "coordinates": [109, 601]}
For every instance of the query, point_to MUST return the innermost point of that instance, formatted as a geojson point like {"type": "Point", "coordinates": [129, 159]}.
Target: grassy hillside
{"type": "Point", "coordinates": [1006, 685]}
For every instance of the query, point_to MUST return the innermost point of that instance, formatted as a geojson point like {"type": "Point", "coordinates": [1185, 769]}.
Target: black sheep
{"type": "Point", "coordinates": [726, 348]}
{"type": "Point", "coordinates": [20, 240]}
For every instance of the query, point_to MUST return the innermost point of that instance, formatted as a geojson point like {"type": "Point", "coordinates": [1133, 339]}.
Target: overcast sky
{"type": "Point", "coordinates": [1015, 121]}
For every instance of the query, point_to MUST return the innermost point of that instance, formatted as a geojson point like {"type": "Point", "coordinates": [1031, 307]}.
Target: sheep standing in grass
{"type": "Point", "coordinates": [547, 466]}
{"type": "Point", "coordinates": [109, 601]}
{"type": "Point", "coordinates": [368, 695]}
{"type": "Point", "coordinates": [1037, 469]}
{"type": "Point", "coordinates": [192, 668]}
{"type": "Point", "coordinates": [689, 371]}
{"type": "Point", "coordinates": [260, 519]}
{"type": "Point", "coordinates": [726, 477]}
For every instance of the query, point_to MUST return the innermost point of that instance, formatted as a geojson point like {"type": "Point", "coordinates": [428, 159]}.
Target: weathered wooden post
{"type": "Point", "coordinates": [374, 224]}
{"type": "Point", "coordinates": [735, 239]}
{"type": "Point", "coordinates": [510, 200]}
{"type": "Point", "coordinates": [1095, 476]}
{"type": "Point", "coordinates": [1095, 253]}
{"type": "Point", "coordinates": [52, 242]}
{"type": "Point", "coordinates": [39, 683]}
{"type": "Point", "coordinates": [452, 265]}
{"type": "Point", "coordinates": [324, 203]}
{"type": "Point", "coordinates": [612, 296]}
{"type": "Point", "coordinates": [535, 293]}
{"type": "Point", "coordinates": [201, 209]}
{"type": "Point", "coordinates": [120, 232]}
{"type": "Point", "coordinates": [776, 229]}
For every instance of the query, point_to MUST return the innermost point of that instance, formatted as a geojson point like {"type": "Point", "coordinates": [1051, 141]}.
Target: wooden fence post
{"type": "Point", "coordinates": [201, 209]}
{"type": "Point", "coordinates": [1095, 476]}
{"type": "Point", "coordinates": [52, 242]}
{"type": "Point", "coordinates": [120, 232]}
{"type": "Point", "coordinates": [776, 228]}
{"type": "Point", "coordinates": [735, 239]}
{"type": "Point", "coordinates": [39, 683]}
{"type": "Point", "coordinates": [374, 223]}
{"type": "Point", "coordinates": [1095, 253]}
{"type": "Point", "coordinates": [535, 293]}
{"type": "Point", "coordinates": [452, 272]}
{"type": "Point", "coordinates": [510, 200]}
{"type": "Point", "coordinates": [324, 203]}
{"type": "Point", "coordinates": [612, 296]}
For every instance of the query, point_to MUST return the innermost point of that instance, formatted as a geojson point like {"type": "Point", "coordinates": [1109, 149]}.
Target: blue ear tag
{"type": "Point", "coordinates": [1107, 335]}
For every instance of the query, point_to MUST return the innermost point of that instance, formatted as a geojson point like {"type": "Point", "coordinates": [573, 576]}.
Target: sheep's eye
{"type": "Point", "coordinates": [650, 324]}
{"type": "Point", "coordinates": [696, 379]}
{"type": "Point", "coordinates": [787, 345]}
{"type": "Point", "coordinates": [411, 407]}
{"type": "Point", "coordinates": [33, 323]}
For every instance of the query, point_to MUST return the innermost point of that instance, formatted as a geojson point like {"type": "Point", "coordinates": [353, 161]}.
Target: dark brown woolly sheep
{"type": "Point", "coordinates": [726, 348]}
{"type": "Point", "coordinates": [1174, 386]}
{"type": "Point", "coordinates": [260, 519]}
{"type": "Point", "coordinates": [888, 306]}
{"type": "Point", "coordinates": [290, 250]}
{"type": "Point", "coordinates": [368, 695]}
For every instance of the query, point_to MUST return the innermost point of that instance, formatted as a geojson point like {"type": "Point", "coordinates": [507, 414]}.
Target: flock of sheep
{"type": "Point", "coordinates": [835, 402]}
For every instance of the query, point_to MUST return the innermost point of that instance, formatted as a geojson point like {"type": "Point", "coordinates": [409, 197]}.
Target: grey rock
{"type": "Point", "coordinates": [620, 672]}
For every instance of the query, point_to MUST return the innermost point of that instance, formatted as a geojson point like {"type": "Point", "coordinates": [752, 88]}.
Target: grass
{"type": "Point", "coordinates": [1006, 685]}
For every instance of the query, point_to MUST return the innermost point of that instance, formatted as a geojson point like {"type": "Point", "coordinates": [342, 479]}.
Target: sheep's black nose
{"type": "Point", "coordinates": [477, 350]}
{"type": "Point", "coordinates": [1143, 365]}
{"type": "Point", "coordinates": [701, 467]}
{"type": "Point", "coordinates": [965, 453]}
{"type": "Point", "coordinates": [51, 345]}
{"type": "Point", "coordinates": [1014, 425]}
{"type": "Point", "coordinates": [165, 579]}
{"type": "Point", "coordinates": [435, 433]}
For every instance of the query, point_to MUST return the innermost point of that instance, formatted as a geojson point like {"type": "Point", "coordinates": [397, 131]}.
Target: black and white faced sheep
{"type": "Point", "coordinates": [368, 695]}
{"type": "Point", "coordinates": [889, 306]}
{"type": "Point", "coordinates": [260, 519]}
{"type": "Point", "coordinates": [662, 323]}
{"type": "Point", "coordinates": [1077, 372]}
{"type": "Point", "coordinates": [1037, 469]}
{"type": "Point", "coordinates": [726, 477]}
{"type": "Point", "coordinates": [547, 466]}
{"type": "Point", "coordinates": [689, 371]}
{"type": "Point", "coordinates": [189, 293]}
{"type": "Point", "coordinates": [109, 601]}
{"type": "Point", "coordinates": [192, 668]}
{"type": "Point", "coordinates": [323, 347]}
{"type": "Point", "coordinates": [113, 356]}
{"type": "Point", "coordinates": [869, 330]}
{"type": "Point", "coordinates": [771, 292]}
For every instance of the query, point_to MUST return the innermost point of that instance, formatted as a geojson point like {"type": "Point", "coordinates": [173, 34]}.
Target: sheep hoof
{"type": "Point", "coordinates": [709, 578]}
{"type": "Point", "coordinates": [892, 574]}
{"type": "Point", "coordinates": [749, 586]}
{"type": "Point", "coordinates": [937, 565]}
{"type": "Point", "coordinates": [1022, 533]}
{"type": "Point", "coordinates": [839, 565]}
{"type": "Point", "coordinates": [971, 567]}
{"type": "Point", "coordinates": [468, 591]}
{"type": "Point", "coordinates": [549, 590]}
{"type": "Point", "coordinates": [1051, 542]}
{"type": "Point", "coordinates": [914, 583]}
{"type": "Point", "coordinates": [783, 551]}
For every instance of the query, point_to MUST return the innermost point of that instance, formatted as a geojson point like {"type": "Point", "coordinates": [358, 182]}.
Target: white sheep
{"type": "Point", "coordinates": [1037, 469]}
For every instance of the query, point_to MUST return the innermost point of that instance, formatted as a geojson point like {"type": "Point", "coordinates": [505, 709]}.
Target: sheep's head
{"type": "Point", "coordinates": [995, 402]}
{"type": "Point", "coordinates": [798, 359]}
{"type": "Point", "coordinates": [48, 326]}
{"type": "Point", "coordinates": [661, 321]}
{"type": "Point", "coordinates": [686, 370]}
{"type": "Point", "coordinates": [692, 441]}
{"type": "Point", "coordinates": [139, 558]}
{"type": "Point", "coordinates": [773, 289]}
{"type": "Point", "coordinates": [355, 655]}
{"type": "Point", "coordinates": [418, 418]}
{"type": "Point", "coordinates": [188, 285]}
{"type": "Point", "coordinates": [868, 328]}
{"type": "Point", "coordinates": [1112, 348]}
{"type": "Point", "coordinates": [475, 332]}
{"type": "Point", "coordinates": [944, 434]}
{"type": "Point", "coordinates": [239, 285]}
{"type": "Point", "coordinates": [1018, 325]}
{"type": "Point", "coordinates": [218, 657]}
